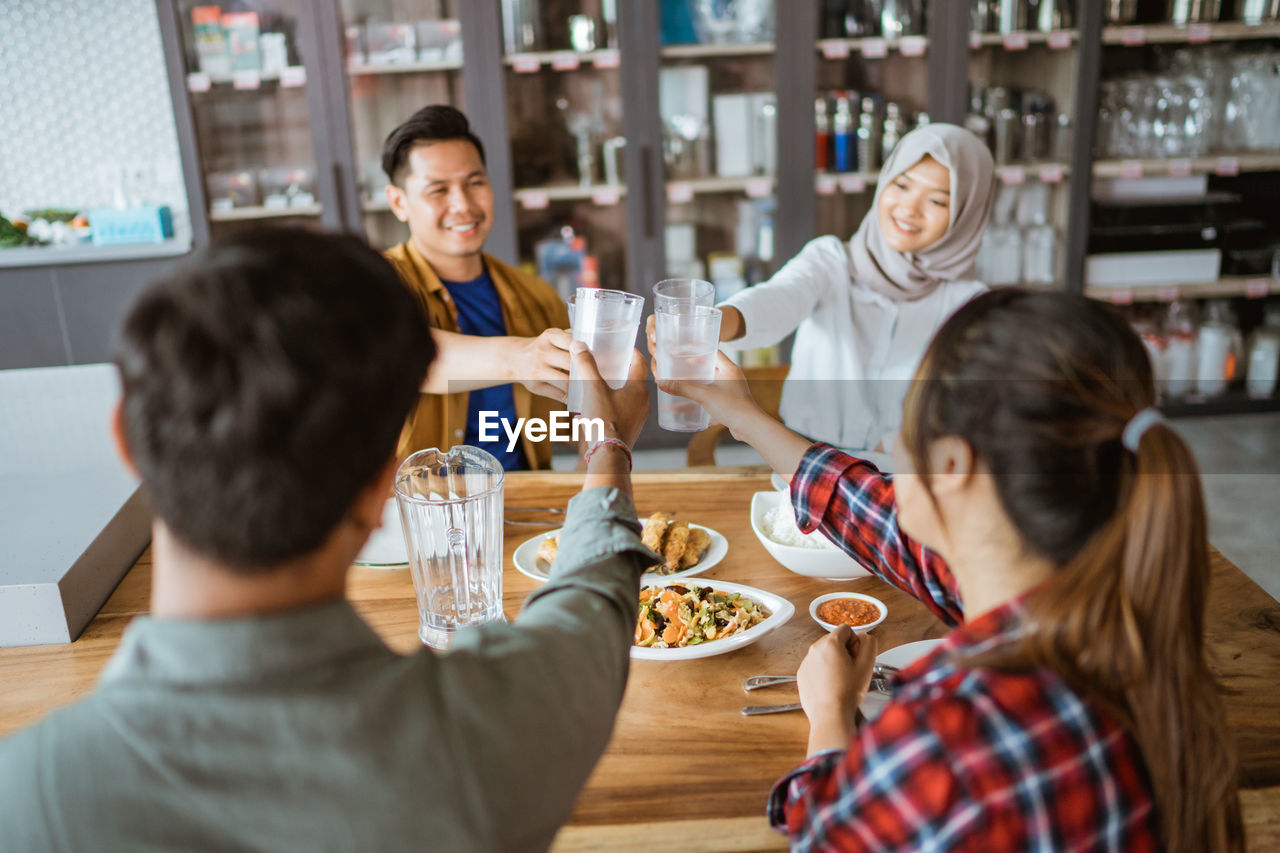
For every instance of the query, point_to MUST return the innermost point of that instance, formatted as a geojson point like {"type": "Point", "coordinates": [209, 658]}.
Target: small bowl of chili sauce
{"type": "Point", "coordinates": [860, 612]}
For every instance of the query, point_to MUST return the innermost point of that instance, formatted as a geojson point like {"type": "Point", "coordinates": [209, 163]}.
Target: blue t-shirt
{"type": "Point", "coordinates": [480, 313]}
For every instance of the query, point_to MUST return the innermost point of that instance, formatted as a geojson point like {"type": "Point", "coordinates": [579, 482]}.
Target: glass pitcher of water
{"type": "Point", "coordinates": [451, 506]}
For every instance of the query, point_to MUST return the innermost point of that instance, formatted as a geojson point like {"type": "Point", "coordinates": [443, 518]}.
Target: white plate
{"type": "Point", "coordinates": [385, 548]}
{"type": "Point", "coordinates": [901, 657]}
{"type": "Point", "coordinates": [780, 610]}
{"type": "Point", "coordinates": [527, 562]}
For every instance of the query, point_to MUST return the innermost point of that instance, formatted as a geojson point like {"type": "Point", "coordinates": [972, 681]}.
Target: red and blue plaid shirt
{"type": "Point", "coordinates": [962, 758]}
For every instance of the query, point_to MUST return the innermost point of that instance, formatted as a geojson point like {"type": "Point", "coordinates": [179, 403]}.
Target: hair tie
{"type": "Point", "coordinates": [1138, 426]}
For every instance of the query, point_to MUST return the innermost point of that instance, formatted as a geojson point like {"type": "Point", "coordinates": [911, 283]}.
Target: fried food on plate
{"type": "Point", "coordinates": [699, 542]}
{"type": "Point", "coordinates": [655, 528]}
{"type": "Point", "coordinates": [680, 545]}
{"type": "Point", "coordinates": [547, 550]}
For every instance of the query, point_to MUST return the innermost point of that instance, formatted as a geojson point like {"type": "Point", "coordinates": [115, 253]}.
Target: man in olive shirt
{"type": "Point", "coordinates": [499, 331]}
{"type": "Point", "coordinates": [254, 708]}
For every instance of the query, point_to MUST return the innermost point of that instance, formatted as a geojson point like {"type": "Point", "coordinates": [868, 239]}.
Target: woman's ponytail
{"type": "Point", "coordinates": [1176, 707]}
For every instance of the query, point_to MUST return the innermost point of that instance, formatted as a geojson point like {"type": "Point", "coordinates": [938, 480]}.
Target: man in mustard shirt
{"type": "Point", "coordinates": [500, 333]}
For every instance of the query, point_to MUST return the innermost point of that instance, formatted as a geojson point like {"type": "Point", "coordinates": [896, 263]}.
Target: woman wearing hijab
{"type": "Point", "coordinates": [864, 311]}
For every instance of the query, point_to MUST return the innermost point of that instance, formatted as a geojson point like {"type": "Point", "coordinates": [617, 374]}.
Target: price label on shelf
{"type": "Point", "coordinates": [835, 50]}
{"type": "Point", "coordinates": [246, 80]}
{"type": "Point", "coordinates": [198, 81]}
{"type": "Point", "coordinates": [1228, 167]}
{"type": "Point", "coordinates": [293, 76]}
{"type": "Point", "coordinates": [825, 184]}
{"type": "Point", "coordinates": [534, 199]}
{"type": "Point", "coordinates": [975, 41]}
{"type": "Point", "coordinates": [1122, 296]}
{"type": "Point", "coordinates": [875, 48]}
{"type": "Point", "coordinates": [1131, 169]}
{"type": "Point", "coordinates": [1256, 288]}
{"type": "Point", "coordinates": [1059, 40]}
{"type": "Point", "coordinates": [759, 187]}
{"type": "Point", "coordinates": [679, 193]}
{"type": "Point", "coordinates": [1180, 168]}
{"type": "Point", "coordinates": [913, 45]}
{"type": "Point", "coordinates": [606, 59]}
{"type": "Point", "coordinates": [605, 196]}
{"type": "Point", "coordinates": [525, 63]}
{"type": "Point", "coordinates": [565, 60]}
{"type": "Point", "coordinates": [852, 183]}
{"type": "Point", "coordinates": [1013, 176]}
{"type": "Point", "coordinates": [1051, 174]}
{"type": "Point", "coordinates": [1133, 36]}
{"type": "Point", "coordinates": [1199, 33]}
{"type": "Point", "coordinates": [1016, 41]}
{"type": "Point", "coordinates": [1168, 293]}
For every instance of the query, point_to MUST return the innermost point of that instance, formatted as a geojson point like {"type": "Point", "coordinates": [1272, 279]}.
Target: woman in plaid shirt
{"type": "Point", "coordinates": [1055, 521]}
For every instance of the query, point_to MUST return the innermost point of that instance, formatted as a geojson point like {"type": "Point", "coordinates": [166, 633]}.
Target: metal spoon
{"type": "Point", "coordinates": [755, 682]}
{"type": "Point", "coordinates": [878, 685]}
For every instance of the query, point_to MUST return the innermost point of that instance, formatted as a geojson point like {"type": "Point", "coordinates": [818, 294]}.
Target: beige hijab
{"type": "Point", "coordinates": [912, 275]}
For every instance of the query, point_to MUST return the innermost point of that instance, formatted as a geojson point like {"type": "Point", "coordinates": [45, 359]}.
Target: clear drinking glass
{"type": "Point", "coordinates": [451, 507]}
{"type": "Point", "coordinates": [688, 337]}
{"type": "Point", "coordinates": [683, 291]}
{"type": "Point", "coordinates": [607, 322]}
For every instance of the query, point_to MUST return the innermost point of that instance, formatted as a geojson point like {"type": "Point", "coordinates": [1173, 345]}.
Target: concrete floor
{"type": "Point", "coordinates": [1239, 460]}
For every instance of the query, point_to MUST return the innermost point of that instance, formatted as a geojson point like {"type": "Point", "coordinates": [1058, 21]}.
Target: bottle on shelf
{"type": "Point", "coordinates": [1264, 356]}
{"type": "Point", "coordinates": [1180, 348]}
{"type": "Point", "coordinates": [868, 137]}
{"type": "Point", "coordinates": [846, 159]}
{"type": "Point", "coordinates": [894, 128]}
{"type": "Point", "coordinates": [1217, 350]}
{"type": "Point", "coordinates": [822, 133]}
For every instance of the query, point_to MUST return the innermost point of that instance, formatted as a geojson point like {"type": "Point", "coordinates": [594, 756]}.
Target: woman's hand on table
{"type": "Point", "coordinates": [833, 679]}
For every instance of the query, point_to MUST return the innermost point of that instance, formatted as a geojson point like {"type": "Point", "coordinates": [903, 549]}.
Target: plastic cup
{"type": "Point", "coordinates": [687, 339]}
{"type": "Point", "coordinates": [683, 291]}
{"type": "Point", "coordinates": [451, 507]}
{"type": "Point", "coordinates": [607, 322]}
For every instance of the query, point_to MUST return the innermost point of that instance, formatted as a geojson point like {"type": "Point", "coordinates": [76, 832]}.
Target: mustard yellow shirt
{"type": "Point", "coordinates": [530, 306]}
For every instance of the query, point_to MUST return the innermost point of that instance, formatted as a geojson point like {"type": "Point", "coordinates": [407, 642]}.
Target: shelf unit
{"type": "Point", "coordinates": [1222, 164]}
{"type": "Point", "coordinates": [1023, 39]}
{"type": "Point", "coordinates": [360, 70]}
{"type": "Point", "coordinates": [710, 51]}
{"type": "Point", "coordinates": [602, 194]}
{"type": "Point", "coordinates": [242, 214]}
{"type": "Point", "coordinates": [1134, 36]}
{"type": "Point", "coordinates": [1251, 286]}
{"type": "Point", "coordinates": [873, 48]}
{"type": "Point", "coordinates": [486, 76]}
{"type": "Point", "coordinates": [563, 60]}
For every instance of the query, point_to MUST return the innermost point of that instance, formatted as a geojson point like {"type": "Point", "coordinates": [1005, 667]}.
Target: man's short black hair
{"type": "Point", "coordinates": [265, 383]}
{"type": "Point", "coordinates": [435, 123]}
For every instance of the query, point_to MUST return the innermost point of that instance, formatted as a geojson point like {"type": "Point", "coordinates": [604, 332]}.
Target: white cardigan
{"type": "Point", "coordinates": [855, 350]}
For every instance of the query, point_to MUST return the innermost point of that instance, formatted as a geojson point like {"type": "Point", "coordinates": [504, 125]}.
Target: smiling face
{"type": "Point", "coordinates": [447, 201]}
{"type": "Point", "coordinates": [915, 207]}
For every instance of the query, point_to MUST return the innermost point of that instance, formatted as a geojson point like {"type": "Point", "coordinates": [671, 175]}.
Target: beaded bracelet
{"type": "Point", "coordinates": [617, 442]}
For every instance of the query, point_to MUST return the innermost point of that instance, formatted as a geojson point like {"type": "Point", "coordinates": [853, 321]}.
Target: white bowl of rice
{"type": "Point", "coordinates": [812, 554]}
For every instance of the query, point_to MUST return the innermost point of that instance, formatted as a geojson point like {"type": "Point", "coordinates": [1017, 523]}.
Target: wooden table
{"type": "Point", "coordinates": [685, 770]}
